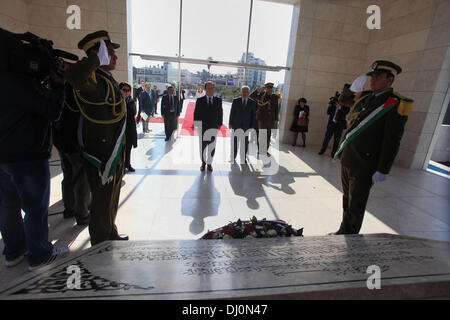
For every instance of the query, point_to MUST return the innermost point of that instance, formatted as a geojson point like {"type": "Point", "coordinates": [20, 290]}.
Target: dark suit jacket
{"type": "Point", "coordinates": [165, 107]}
{"type": "Point", "coordinates": [130, 133]}
{"type": "Point", "coordinates": [138, 93]}
{"type": "Point", "coordinates": [240, 117]}
{"type": "Point", "coordinates": [155, 96]}
{"type": "Point", "coordinates": [145, 102]}
{"type": "Point", "coordinates": [341, 122]}
{"type": "Point", "coordinates": [211, 117]}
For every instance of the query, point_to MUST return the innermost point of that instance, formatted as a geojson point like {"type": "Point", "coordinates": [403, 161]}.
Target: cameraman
{"type": "Point", "coordinates": [336, 124]}
{"type": "Point", "coordinates": [25, 146]}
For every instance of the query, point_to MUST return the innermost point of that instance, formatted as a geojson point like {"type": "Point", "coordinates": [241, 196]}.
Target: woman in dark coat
{"type": "Point", "coordinates": [301, 120]}
{"type": "Point", "coordinates": [130, 131]}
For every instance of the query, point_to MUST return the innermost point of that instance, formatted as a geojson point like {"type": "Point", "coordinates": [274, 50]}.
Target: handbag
{"type": "Point", "coordinates": [302, 121]}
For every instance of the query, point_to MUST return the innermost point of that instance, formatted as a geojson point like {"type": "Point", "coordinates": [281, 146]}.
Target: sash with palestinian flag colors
{"type": "Point", "coordinates": [106, 170]}
{"type": "Point", "coordinates": [376, 114]}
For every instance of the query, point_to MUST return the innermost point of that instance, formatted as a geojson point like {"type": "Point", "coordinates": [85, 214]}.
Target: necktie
{"type": "Point", "coordinates": [209, 101]}
{"type": "Point", "coordinates": [244, 103]}
{"type": "Point", "coordinates": [336, 115]}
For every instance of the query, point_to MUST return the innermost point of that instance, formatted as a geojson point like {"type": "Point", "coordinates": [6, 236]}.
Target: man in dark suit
{"type": "Point", "coordinates": [170, 111]}
{"type": "Point", "coordinates": [155, 99]}
{"type": "Point", "coordinates": [208, 111]}
{"type": "Point", "coordinates": [336, 124]}
{"type": "Point", "coordinates": [146, 107]}
{"type": "Point", "coordinates": [242, 116]}
{"type": "Point", "coordinates": [182, 98]}
{"type": "Point", "coordinates": [138, 98]}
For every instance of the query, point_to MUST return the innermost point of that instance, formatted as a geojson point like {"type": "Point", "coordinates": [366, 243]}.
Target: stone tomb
{"type": "Point", "coordinates": [278, 268]}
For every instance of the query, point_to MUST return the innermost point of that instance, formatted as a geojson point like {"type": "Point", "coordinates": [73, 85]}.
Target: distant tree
{"type": "Point", "coordinates": [230, 93]}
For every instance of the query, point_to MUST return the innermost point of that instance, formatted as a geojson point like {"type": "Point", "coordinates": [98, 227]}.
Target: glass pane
{"type": "Point", "coordinates": [257, 78]}
{"type": "Point", "coordinates": [155, 27]}
{"type": "Point", "coordinates": [157, 73]}
{"type": "Point", "coordinates": [215, 28]}
{"type": "Point", "coordinates": [225, 79]}
{"type": "Point", "coordinates": [270, 32]}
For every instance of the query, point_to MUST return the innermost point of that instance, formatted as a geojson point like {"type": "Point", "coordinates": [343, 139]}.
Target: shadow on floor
{"type": "Point", "coordinates": [250, 184]}
{"type": "Point", "coordinates": [202, 200]}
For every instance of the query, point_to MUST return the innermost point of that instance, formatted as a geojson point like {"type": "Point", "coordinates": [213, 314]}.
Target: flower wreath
{"type": "Point", "coordinates": [254, 229]}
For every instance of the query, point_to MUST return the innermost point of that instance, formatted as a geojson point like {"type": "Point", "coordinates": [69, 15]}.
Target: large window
{"type": "Point", "coordinates": [270, 32]}
{"type": "Point", "coordinates": [216, 29]}
{"type": "Point", "coordinates": [212, 30]}
{"type": "Point", "coordinates": [155, 26]}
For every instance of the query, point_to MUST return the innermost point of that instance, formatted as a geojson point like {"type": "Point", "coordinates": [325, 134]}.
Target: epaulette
{"type": "Point", "coordinates": [361, 94]}
{"type": "Point", "coordinates": [405, 106]}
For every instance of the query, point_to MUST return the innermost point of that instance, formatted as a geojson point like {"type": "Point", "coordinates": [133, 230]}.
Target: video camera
{"type": "Point", "coordinates": [30, 55]}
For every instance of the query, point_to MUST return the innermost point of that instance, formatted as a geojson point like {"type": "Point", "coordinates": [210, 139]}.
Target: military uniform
{"type": "Point", "coordinates": [371, 143]}
{"type": "Point", "coordinates": [266, 113]}
{"type": "Point", "coordinates": [101, 136]}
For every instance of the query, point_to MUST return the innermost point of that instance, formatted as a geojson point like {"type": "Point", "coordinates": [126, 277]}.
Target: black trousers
{"type": "Point", "coordinates": [332, 130]}
{"type": "Point", "coordinates": [105, 202]}
{"type": "Point", "coordinates": [208, 148]}
{"type": "Point", "coordinates": [75, 186]}
{"type": "Point", "coordinates": [236, 143]}
{"type": "Point", "coordinates": [170, 125]}
{"type": "Point", "coordinates": [356, 190]}
{"type": "Point", "coordinates": [128, 147]}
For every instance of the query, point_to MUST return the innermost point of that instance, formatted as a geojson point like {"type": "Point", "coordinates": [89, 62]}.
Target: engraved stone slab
{"type": "Point", "coordinates": [276, 268]}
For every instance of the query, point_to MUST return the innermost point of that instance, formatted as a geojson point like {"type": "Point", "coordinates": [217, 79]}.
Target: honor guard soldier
{"type": "Point", "coordinates": [266, 112]}
{"type": "Point", "coordinates": [101, 132]}
{"type": "Point", "coordinates": [375, 127]}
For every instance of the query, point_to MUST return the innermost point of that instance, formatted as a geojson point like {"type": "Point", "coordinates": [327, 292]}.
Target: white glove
{"type": "Point", "coordinates": [102, 54]}
{"type": "Point", "coordinates": [378, 177]}
{"type": "Point", "coordinates": [358, 84]}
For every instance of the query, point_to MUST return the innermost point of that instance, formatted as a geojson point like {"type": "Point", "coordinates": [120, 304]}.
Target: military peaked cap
{"type": "Point", "coordinates": [92, 39]}
{"type": "Point", "coordinates": [385, 66]}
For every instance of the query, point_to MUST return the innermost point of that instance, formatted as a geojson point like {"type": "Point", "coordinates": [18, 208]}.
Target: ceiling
{"type": "Point", "coordinates": [283, 1]}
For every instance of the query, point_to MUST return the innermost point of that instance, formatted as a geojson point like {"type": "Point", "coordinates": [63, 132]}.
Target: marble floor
{"type": "Point", "coordinates": [169, 198]}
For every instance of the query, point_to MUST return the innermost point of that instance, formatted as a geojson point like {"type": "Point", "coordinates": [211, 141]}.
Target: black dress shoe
{"type": "Point", "coordinates": [83, 221]}
{"type": "Point", "coordinates": [202, 168]}
{"type": "Point", "coordinates": [130, 168]}
{"type": "Point", "coordinates": [122, 237]}
{"type": "Point", "coordinates": [210, 168]}
{"type": "Point", "coordinates": [321, 152]}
